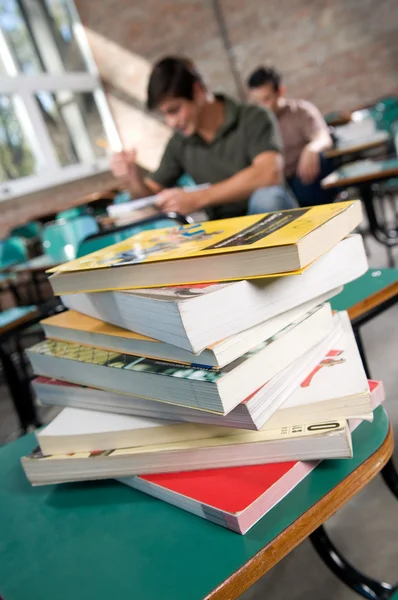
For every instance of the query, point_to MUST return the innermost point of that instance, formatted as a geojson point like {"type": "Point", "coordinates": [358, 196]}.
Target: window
{"type": "Point", "coordinates": [55, 124]}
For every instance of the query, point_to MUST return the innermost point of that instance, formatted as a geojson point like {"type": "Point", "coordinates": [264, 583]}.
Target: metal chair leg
{"type": "Point", "coordinates": [390, 476]}
{"type": "Point", "coordinates": [354, 579]}
{"type": "Point", "coordinates": [20, 392]}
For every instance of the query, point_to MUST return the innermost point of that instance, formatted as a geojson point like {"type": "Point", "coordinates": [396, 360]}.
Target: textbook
{"type": "Point", "coordinates": [195, 317]}
{"type": "Point", "coordinates": [79, 430]}
{"type": "Point", "coordinates": [310, 441]}
{"type": "Point", "coordinates": [236, 497]}
{"type": "Point", "coordinates": [212, 389]}
{"type": "Point", "coordinates": [275, 243]}
{"type": "Point", "coordinates": [71, 326]}
{"type": "Point", "coordinates": [328, 380]}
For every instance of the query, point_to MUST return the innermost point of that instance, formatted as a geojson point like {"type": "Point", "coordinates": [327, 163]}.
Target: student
{"type": "Point", "coordinates": [234, 147]}
{"type": "Point", "coordinates": [304, 133]}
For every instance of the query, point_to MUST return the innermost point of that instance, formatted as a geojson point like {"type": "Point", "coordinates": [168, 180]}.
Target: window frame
{"type": "Point", "coordinates": [22, 88]}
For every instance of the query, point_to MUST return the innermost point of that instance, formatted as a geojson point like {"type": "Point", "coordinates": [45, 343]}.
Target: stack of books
{"type": "Point", "coordinates": [194, 362]}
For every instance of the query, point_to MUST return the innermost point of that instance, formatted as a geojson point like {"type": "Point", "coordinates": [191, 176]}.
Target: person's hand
{"type": "Point", "coordinates": [309, 166]}
{"type": "Point", "coordinates": [179, 201]}
{"type": "Point", "coordinates": [124, 165]}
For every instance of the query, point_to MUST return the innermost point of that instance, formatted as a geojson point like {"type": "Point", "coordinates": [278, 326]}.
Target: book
{"type": "Point", "coordinates": [237, 497]}
{"type": "Point", "coordinates": [303, 442]}
{"type": "Point", "coordinates": [71, 326]}
{"type": "Point", "coordinates": [336, 386]}
{"type": "Point", "coordinates": [78, 430]}
{"type": "Point", "coordinates": [212, 389]}
{"type": "Point", "coordinates": [241, 248]}
{"type": "Point", "coordinates": [175, 315]}
{"type": "Point", "coordinates": [341, 391]}
{"type": "Point", "coordinates": [124, 208]}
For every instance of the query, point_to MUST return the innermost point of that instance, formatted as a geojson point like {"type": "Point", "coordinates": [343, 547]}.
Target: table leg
{"type": "Point", "coordinates": [36, 276]}
{"type": "Point", "coordinates": [382, 236]}
{"type": "Point", "coordinates": [390, 476]}
{"type": "Point", "coordinates": [355, 580]}
{"type": "Point", "coordinates": [20, 392]}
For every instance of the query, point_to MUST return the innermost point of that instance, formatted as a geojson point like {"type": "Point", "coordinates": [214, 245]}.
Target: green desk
{"type": "Point", "coordinates": [103, 540]}
{"type": "Point", "coordinates": [374, 289]}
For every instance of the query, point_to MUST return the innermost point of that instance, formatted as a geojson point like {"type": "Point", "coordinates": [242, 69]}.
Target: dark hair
{"type": "Point", "coordinates": [171, 77]}
{"type": "Point", "coordinates": [262, 76]}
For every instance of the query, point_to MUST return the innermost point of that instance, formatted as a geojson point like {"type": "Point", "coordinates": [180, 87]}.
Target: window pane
{"type": "Point", "coordinates": [16, 158]}
{"type": "Point", "coordinates": [18, 37]}
{"type": "Point", "coordinates": [61, 23]}
{"type": "Point", "coordinates": [74, 125]}
{"type": "Point", "coordinates": [93, 123]}
{"type": "Point", "coordinates": [51, 109]}
{"type": "Point", "coordinates": [2, 68]}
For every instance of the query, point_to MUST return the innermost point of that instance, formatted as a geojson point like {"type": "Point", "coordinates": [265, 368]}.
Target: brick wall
{"type": "Point", "coordinates": [337, 53]}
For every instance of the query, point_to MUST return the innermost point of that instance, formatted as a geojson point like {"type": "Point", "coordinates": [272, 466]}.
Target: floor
{"type": "Point", "coordinates": [365, 530]}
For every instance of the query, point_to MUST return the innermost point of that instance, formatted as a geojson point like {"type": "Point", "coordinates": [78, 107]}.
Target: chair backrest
{"type": "Point", "coordinates": [122, 197]}
{"type": "Point", "coordinates": [61, 239]}
{"type": "Point", "coordinates": [186, 181]}
{"type": "Point", "coordinates": [28, 231]}
{"type": "Point", "coordinates": [384, 115]}
{"type": "Point", "coordinates": [72, 213]}
{"type": "Point", "coordinates": [118, 234]}
{"type": "Point", "coordinates": [387, 102]}
{"type": "Point", "coordinates": [12, 251]}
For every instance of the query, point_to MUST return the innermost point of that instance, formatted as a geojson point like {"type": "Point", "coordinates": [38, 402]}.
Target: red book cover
{"type": "Point", "coordinates": [235, 497]}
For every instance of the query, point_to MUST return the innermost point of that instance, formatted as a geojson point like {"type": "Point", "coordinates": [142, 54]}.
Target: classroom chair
{"type": "Point", "coordinates": [12, 251]}
{"type": "Point", "coordinates": [61, 238]}
{"type": "Point", "coordinates": [72, 213]}
{"type": "Point", "coordinates": [28, 231]}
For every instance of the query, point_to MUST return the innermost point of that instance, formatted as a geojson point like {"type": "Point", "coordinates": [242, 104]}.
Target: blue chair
{"type": "Point", "coordinates": [13, 250]}
{"type": "Point", "coordinates": [122, 197]}
{"type": "Point", "coordinates": [28, 231]}
{"type": "Point", "coordinates": [186, 181]}
{"type": "Point", "coordinates": [107, 238]}
{"type": "Point", "coordinates": [72, 213]}
{"type": "Point", "coordinates": [61, 239]}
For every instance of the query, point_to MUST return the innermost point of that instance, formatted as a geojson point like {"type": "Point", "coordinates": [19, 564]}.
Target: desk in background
{"type": "Point", "coordinates": [354, 147]}
{"type": "Point", "coordinates": [364, 174]}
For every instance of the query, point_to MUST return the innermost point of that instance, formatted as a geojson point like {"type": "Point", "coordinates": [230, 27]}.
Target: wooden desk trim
{"type": "Point", "coordinates": [334, 152]}
{"type": "Point", "coordinates": [342, 119]}
{"type": "Point", "coordinates": [363, 178]}
{"type": "Point", "coordinates": [373, 301]}
{"type": "Point", "coordinates": [13, 324]}
{"type": "Point", "coordinates": [292, 536]}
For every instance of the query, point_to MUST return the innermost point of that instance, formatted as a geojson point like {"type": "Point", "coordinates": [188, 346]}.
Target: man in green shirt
{"type": "Point", "coordinates": [233, 147]}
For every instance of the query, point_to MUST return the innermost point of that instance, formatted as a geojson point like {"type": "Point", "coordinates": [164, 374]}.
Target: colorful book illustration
{"type": "Point", "coordinates": [279, 242]}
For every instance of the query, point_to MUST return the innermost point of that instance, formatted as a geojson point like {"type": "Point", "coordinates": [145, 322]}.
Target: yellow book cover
{"type": "Point", "coordinates": [71, 319]}
{"type": "Point", "coordinates": [254, 232]}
